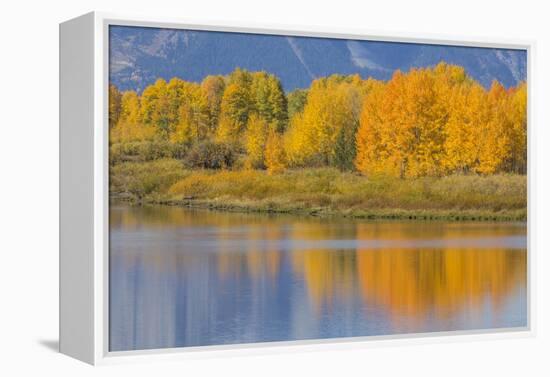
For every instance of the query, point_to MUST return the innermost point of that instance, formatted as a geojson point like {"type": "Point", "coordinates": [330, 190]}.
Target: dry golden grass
{"type": "Point", "coordinates": [329, 191]}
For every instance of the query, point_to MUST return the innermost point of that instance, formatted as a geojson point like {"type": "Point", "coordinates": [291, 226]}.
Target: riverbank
{"type": "Point", "coordinates": [373, 214]}
{"type": "Point", "coordinates": [325, 192]}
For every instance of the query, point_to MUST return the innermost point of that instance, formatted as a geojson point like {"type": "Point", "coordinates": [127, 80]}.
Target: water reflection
{"type": "Point", "coordinates": [186, 278]}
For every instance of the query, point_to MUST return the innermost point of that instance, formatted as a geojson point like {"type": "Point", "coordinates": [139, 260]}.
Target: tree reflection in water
{"type": "Point", "coordinates": [186, 278]}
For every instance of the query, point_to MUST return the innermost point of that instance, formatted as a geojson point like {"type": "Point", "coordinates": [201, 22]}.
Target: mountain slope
{"type": "Point", "coordinates": [138, 56]}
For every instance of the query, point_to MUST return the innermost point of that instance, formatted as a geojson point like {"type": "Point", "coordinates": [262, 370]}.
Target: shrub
{"type": "Point", "coordinates": [135, 151]}
{"type": "Point", "coordinates": [179, 150]}
{"type": "Point", "coordinates": [211, 155]}
{"type": "Point", "coordinates": [141, 179]}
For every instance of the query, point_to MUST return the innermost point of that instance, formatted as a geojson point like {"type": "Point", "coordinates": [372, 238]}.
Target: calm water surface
{"type": "Point", "coordinates": [181, 277]}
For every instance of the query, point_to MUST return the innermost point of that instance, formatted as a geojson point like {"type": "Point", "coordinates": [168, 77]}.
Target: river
{"type": "Point", "coordinates": [182, 277]}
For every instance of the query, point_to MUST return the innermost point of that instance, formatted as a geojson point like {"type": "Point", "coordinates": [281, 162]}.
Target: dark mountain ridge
{"type": "Point", "coordinates": [139, 56]}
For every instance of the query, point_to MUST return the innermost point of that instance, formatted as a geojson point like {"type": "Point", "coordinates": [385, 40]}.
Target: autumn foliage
{"type": "Point", "coordinates": [431, 121]}
{"type": "Point", "coordinates": [438, 121]}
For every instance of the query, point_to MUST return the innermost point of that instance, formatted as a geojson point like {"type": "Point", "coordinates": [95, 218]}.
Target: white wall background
{"type": "Point", "coordinates": [29, 184]}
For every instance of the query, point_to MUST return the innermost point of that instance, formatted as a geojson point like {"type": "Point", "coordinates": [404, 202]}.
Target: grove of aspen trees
{"type": "Point", "coordinates": [433, 121]}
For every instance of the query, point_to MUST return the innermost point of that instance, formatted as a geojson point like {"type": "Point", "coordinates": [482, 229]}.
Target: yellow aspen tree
{"type": "Point", "coordinates": [129, 126]}
{"type": "Point", "coordinates": [424, 117]}
{"type": "Point", "coordinates": [115, 98]}
{"type": "Point", "coordinates": [495, 140]}
{"type": "Point", "coordinates": [304, 129]}
{"type": "Point", "coordinates": [469, 114]}
{"type": "Point", "coordinates": [518, 117]}
{"type": "Point", "coordinates": [275, 157]}
{"type": "Point", "coordinates": [370, 146]}
{"type": "Point", "coordinates": [156, 107]}
{"type": "Point", "coordinates": [268, 99]}
{"type": "Point", "coordinates": [213, 88]}
{"type": "Point", "coordinates": [297, 145]}
{"type": "Point", "coordinates": [332, 104]}
{"type": "Point", "coordinates": [383, 140]}
{"type": "Point", "coordinates": [256, 135]}
{"type": "Point", "coordinates": [193, 115]}
{"type": "Point", "coordinates": [235, 107]}
{"type": "Point", "coordinates": [296, 102]}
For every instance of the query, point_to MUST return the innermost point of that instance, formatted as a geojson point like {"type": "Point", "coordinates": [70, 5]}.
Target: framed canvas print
{"type": "Point", "coordinates": [225, 188]}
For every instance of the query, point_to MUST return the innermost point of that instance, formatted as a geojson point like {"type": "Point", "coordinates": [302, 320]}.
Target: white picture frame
{"type": "Point", "coordinates": [84, 228]}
